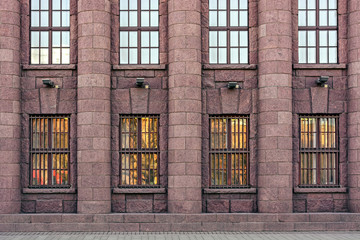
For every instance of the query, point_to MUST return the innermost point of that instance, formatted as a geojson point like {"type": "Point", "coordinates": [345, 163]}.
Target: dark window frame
{"type": "Point", "coordinates": [50, 150]}
{"type": "Point", "coordinates": [229, 151]}
{"type": "Point", "coordinates": [318, 151]}
{"type": "Point", "coordinates": [139, 151]}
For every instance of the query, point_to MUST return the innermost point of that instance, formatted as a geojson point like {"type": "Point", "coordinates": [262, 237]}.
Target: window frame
{"type": "Point", "coordinates": [49, 29]}
{"type": "Point", "coordinates": [318, 151]}
{"type": "Point", "coordinates": [49, 151]}
{"type": "Point", "coordinates": [139, 150]}
{"type": "Point", "coordinates": [229, 151]}
{"type": "Point", "coordinates": [228, 29]}
{"type": "Point", "coordinates": [317, 28]}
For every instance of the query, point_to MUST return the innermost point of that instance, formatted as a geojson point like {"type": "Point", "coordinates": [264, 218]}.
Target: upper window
{"type": "Point", "coordinates": [49, 151]}
{"type": "Point", "coordinates": [50, 32]}
{"type": "Point", "coordinates": [318, 35]}
{"type": "Point", "coordinates": [319, 150]}
{"type": "Point", "coordinates": [139, 151]}
{"type": "Point", "coordinates": [229, 151]}
{"type": "Point", "coordinates": [228, 32]}
{"type": "Point", "coordinates": [139, 32]}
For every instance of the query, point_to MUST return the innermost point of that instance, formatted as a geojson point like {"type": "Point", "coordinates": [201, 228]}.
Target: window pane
{"type": "Point", "coordinates": [65, 18]}
{"type": "Point", "coordinates": [154, 56]}
{"type": "Point", "coordinates": [302, 18]}
{"type": "Point", "coordinates": [222, 18]}
{"type": "Point", "coordinates": [145, 56]}
{"type": "Point", "coordinates": [35, 19]}
{"type": "Point", "coordinates": [124, 39]}
{"type": "Point", "coordinates": [234, 4]}
{"type": "Point", "coordinates": [133, 18]}
{"type": "Point", "coordinates": [212, 4]}
{"type": "Point", "coordinates": [44, 39]}
{"type": "Point", "coordinates": [302, 4]}
{"type": "Point", "coordinates": [213, 39]}
{"type": "Point", "coordinates": [311, 4]}
{"type": "Point", "coordinates": [323, 4]}
{"type": "Point", "coordinates": [244, 18]}
{"type": "Point", "coordinates": [154, 4]}
{"type": "Point", "coordinates": [34, 4]}
{"type": "Point", "coordinates": [222, 4]}
{"type": "Point", "coordinates": [222, 55]}
{"type": "Point", "coordinates": [145, 41]}
{"type": "Point", "coordinates": [124, 21]}
{"type": "Point", "coordinates": [332, 4]}
{"type": "Point", "coordinates": [133, 56]}
{"type": "Point", "coordinates": [56, 40]}
{"type": "Point", "coordinates": [332, 18]}
{"type": "Point", "coordinates": [55, 5]}
{"type": "Point", "coordinates": [234, 55]}
{"type": "Point", "coordinates": [311, 38]}
{"type": "Point", "coordinates": [302, 38]}
{"type": "Point", "coordinates": [333, 55]}
{"type": "Point", "coordinates": [333, 38]}
{"type": "Point", "coordinates": [144, 4]}
{"type": "Point", "coordinates": [44, 19]}
{"type": "Point", "coordinates": [35, 40]}
{"type": "Point", "coordinates": [65, 56]}
{"type": "Point", "coordinates": [133, 39]}
{"type": "Point", "coordinates": [124, 56]}
{"type": "Point", "coordinates": [311, 55]}
{"type": "Point", "coordinates": [302, 55]}
{"type": "Point", "coordinates": [154, 18]}
{"type": "Point", "coordinates": [132, 5]}
{"type": "Point", "coordinates": [124, 4]}
{"type": "Point", "coordinates": [243, 4]}
{"type": "Point", "coordinates": [145, 19]}
{"type": "Point", "coordinates": [243, 38]}
{"type": "Point", "coordinates": [311, 18]}
{"type": "Point", "coordinates": [65, 4]}
{"type": "Point", "coordinates": [56, 18]}
{"type": "Point", "coordinates": [234, 38]}
{"type": "Point", "coordinates": [323, 38]}
{"type": "Point", "coordinates": [212, 18]}
{"type": "Point", "coordinates": [213, 55]}
{"type": "Point", "coordinates": [44, 56]}
{"type": "Point", "coordinates": [66, 39]}
{"type": "Point", "coordinates": [234, 18]}
{"type": "Point", "coordinates": [323, 18]}
{"type": "Point", "coordinates": [154, 39]}
{"type": "Point", "coordinates": [35, 53]}
{"type": "Point", "coordinates": [222, 39]}
{"type": "Point", "coordinates": [44, 5]}
{"type": "Point", "coordinates": [56, 57]}
{"type": "Point", "coordinates": [243, 55]}
{"type": "Point", "coordinates": [323, 55]}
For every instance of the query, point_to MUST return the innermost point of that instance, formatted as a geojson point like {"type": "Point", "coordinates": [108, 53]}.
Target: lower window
{"type": "Point", "coordinates": [319, 150]}
{"type": "Point", "coordinates": [229, 151]}
{"type": "Point", "coordinates": [49, 151]}
{"type": "Point", "coordinates": [139, 151]}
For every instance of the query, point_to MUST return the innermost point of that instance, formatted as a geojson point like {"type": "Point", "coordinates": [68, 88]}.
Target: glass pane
{"type": "Point", "coordinates": [35, 19]}
{"type": "Point", "coordinates": [56, 40]}
{"type": "Point", "coordinates": [302, 18]}
{"type": "Point", "coordinates": [243, 4]}
{"type": "Point", "coordinates": [222, 55]}
{"type": "Point", "coordinates": [323, 4]}
{"type": "Point", "coordinates": [44, 37]}
{"type": "Point", "coordinates": [35, 56]}
{"type": "Point", "coordinates": [56, 18]}
{"type": "Point", "coordinates": [124, 21]}
{"type": "Point", "coordinates": [323, 38]}
{"type": "Point", "coordinates": [66, 39]}
{"type": "Point", "coordinates": [145, 39]}
{"type": "Point", "coordinates": [332, 4]}
{"type": "Point", "coordinates": [302, 38]}
{"type": "Point", "coordinates": [65, 18]}
{"type": "Point", "coordinates": [124, 4]}
{"type": "Point", "coordinates": [56, 58]}
{"type": "Point", "coordinates": [124, 56]}
{"type": "Point", "coordinates": [133, 56]}
{"type": "Point", "coordinates": [244, 38]}
{"type": "Point", "coordinates": [234, 4]}
{"type": "Point", "coordinates": [154, 20]}
{"type": "Point", "coordinates": [145, 56]}
{"type": "Point", "coordinates": [55, 4]}
{"type": "Point", "coordinates": [124, 40]}
{"type": "Point", "coordinates": [34, 4]}
{"type": "Point", "coordinates": [302, 4]}
{"type": "Point", "coordinates": [154, 4]}
{"type": "Point", "coordinates": [234, 18]}
{"type": "Point", "coordinates": [311, 55]}
{"type": "Point", "coordinates": [311, 4]}
{"type": "Point", "coordinates": [333, 55]}
{"type": "Point", "coordinates": [243, 55]}
{"type": "Point", "coordinates": [44, 19]}
{"type": "Point", "coordinates": [311, 38]}
{"type": "Point", "coordinates": [212, 4]}
{"type": "Point", "coordinates": [222, 4]}
{"type": "Point", "coordinates": [144, 4]}
{"type": "Point", "coordinates": [213, 39]}
{"type": "Point", "coordinates": [44, 5]}
{"type": "Point", "coordinates": [323, 55]}
{"type": "Point", "coordinates": [234, 55]}
{"type": "Point", "coordinates": [302, 55]}
{"type": "Point", "coordinates": [44, 56]}
{"type": "Point", "coordinates": [145, 19]}
{"type": "Point", "coordinates": [234, 38]}
{"type": "Point", "coordinates": [212, 18]}
{"type": "Point", "coordinates": [213, 55]}
{"type": "Point", "coordinates": [243, 18]}
{"type": "Point", "coordinates": [222, 39]}
{"type": "Point", "coordinates": [65, 4]}
{"type": "Point", "coordinates": [154, 56]}
{"type": "Point", "coordinates": [222, 18]}
{"type": "Point", "coordinates": [133, 39]}
{"type": "Point", "coordinates": [332, 18]}
{"type": "Point", "coordinates": [323, 15]}
{"type": "Point", "coordinates": [35, 41]}
{"type": "Point", "coordinates": [311, 18]}
{"type": "Point", "coordinates": [133, 18]}
{"type": "Point", "coordinates": [154, 39]}
{"type": "Point", "coordinates": [132, 5]}
{"type": "Point", "coordinates": [65, 56]}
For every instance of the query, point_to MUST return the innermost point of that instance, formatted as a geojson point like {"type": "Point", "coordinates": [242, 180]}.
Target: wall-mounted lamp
{"type": "Point", "coordinates": [322, 81]}
{"type": "Point", "coordinates": [48, 83]}
{"type": "Point", "coordinates": [233, 85]}
{"type": "Point", "coordinates": [140, 82]}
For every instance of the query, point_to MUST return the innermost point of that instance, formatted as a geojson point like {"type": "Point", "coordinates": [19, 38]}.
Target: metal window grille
{"type": "Point", "coordinates": [49, 151]}
{"type": "Point", "coordinates": [229, 151]}
{"type": "Point", "coordinates": [319, 151]}
{"type": "Point", "coordinates": [139, 151]}
{"type": "Point", "coordinates": [139, 31]}
{"type": "Point", "coordinates": [50, 32]}
{"type": "Point", "coordinates": [317, 31]}
{"type": "Point", "coordinates": [228, 32]}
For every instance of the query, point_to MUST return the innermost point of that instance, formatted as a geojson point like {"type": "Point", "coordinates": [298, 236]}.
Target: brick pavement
{"type": "Point", "coordinates": [183, 236]}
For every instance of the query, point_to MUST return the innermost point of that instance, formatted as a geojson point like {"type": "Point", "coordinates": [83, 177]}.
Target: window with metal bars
{"type": "Point", "coordinates": [139, 151]}
{"type": "Point", "coordinates": [319, 151]}
{"type": "Point", "coordinates": [50, 32]}
{"type": "Point", "coordinates": [229, 151]}
{"type": "Point", "coordinates": [139, 32]}
{"type": "Point", "coordinates": [228, 32]}
{"type": "Point", "coordinates": [317, 31]}
{"type": "Point", "coordinates": [49, 151]}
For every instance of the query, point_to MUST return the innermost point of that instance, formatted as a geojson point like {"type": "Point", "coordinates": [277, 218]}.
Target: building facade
{"type": "Point", "coordinates": [179, 107]}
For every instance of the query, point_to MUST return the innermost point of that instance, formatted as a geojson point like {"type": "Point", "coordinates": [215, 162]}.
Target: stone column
{"type": "Point", "coordinates": [184, 165]}
{"type": "Point", "coordinates": [275, 107]}
{"type": "Point", "coordinates": [94, 70]}
{"type": "Point", "coordinates": [354, 106]}
{"type": "Point", "coordinates": [10, 145]}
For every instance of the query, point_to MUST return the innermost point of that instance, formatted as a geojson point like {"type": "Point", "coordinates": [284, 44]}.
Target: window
{"type": "Point", "coordinates": [228, 32]}
{"type": "Point", "coordinates": [49, 151]}
{"type": "Point", "coordinates": [319, 150]}
{"type": "Point", "coordinates": [229, 151]}
{"type": "Point", "coordinates": [318, 31]}
{"type": "Point", "coordinates": [139, 31]}
{"type": "Point", "coordinates": [50, 32]}
{"type": "Point", "coordinates": [139, 151]}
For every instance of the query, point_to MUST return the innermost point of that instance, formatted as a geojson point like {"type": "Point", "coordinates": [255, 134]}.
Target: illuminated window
{"type": "Point", "coordinates": [228, 32]}
{"type": "Point", "coordinates": [139, 32]}
{"type": "Point", "coordinates": [49, 151]}
{"type": "Point", "coordinates": [139, 150]}
{"type": "Point", "coordinates": [229, 151]}
{"type": "Point", "coordinates": [50, 32]}
{"type": "Point", "coordinates": [317, 34]}
{"type": "Point", "coordinates": [319, 150]}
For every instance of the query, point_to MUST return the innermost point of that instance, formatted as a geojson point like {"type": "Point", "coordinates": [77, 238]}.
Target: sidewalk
{"type": "Point", "coordinates": [183, 236]}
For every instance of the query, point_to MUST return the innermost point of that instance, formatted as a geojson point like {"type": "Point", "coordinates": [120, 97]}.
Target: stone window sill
{"type": "Point", "coordinates": [229, 190]}
{"type": "Point", "coordinates": [320, 190]}
{"type": "Point", "coordinates": [138, 190]}
{"type": "Point", "coordinates": [48, 190]}
{"type": "Point", "coordinates": [229, 66]}
{"type": "Point", "coordinates": [140, 67]}
{"type": "Point", "coordinates": [49, 67]}
{"type": "Point", "coordinates": [319, 66]}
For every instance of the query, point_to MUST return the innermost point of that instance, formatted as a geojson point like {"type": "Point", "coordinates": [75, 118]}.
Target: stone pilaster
{"type": "Point", "coordinates": [184, 165]}
{"type": "Point", "coordinates": [354, 106]}
{"type": "Point", "coordinates": [275, 107]}
{"type": "Point", "coordinates": [10, 106]}
{"type": "Point", "coordinates": [94, 72]}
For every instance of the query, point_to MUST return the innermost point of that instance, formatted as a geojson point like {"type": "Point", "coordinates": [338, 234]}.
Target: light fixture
{"type": "Point", "coordinates": [233, 85]}
{"type": "Point", "coordinates": [322, 81]}
{"type": "Point", "coordinates": [48, 83]}
{"type": "Point", "coordinates": [140, 82]}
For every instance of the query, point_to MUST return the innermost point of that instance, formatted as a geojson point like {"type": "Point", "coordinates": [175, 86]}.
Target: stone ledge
{"type": "Point", "coordinates": [229, 66]}
{"type": "Point", "coordinates": [48, 190]}
{"type": "Point", "coordinates": [49, 67]}
{"type": "Point", "coordinates": [138, 190]}
{"type": "Point", "coordinates": [139, 67]}
{"type": "Point", "coordinates": [320, 66]}
{"type": "Point", "coordinates": [320, 190]}
{"type": "Point", "coordinates": [229, 191]}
